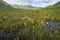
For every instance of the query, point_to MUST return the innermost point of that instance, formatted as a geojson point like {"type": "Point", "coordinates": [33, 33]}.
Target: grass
{"type": "Point", "coordinates": [26, 24]}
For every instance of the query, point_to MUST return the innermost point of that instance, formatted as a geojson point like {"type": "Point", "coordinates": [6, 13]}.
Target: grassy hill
{"type": "Point", "coordinates": [4, 5]}
{"type": "Point", "coordinates": [55, 6]}
{"type": "Point", "coordinates": [53, 10]}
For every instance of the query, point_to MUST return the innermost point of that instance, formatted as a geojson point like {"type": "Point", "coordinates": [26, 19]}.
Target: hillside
{"type": "Point", "coordinates": [55, 6]}
{"type": "Point", "coordinates": [52, 11]}
{"type": "Point", "coordinates": [3, 4]}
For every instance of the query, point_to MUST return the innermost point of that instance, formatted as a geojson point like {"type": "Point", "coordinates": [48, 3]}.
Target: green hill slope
{"type": "Point", "coordinates": [57, 5]}
{"type": "Point", "coordinates": [53, 11]}
{"type": "Point", "coordinates": [3, 4]}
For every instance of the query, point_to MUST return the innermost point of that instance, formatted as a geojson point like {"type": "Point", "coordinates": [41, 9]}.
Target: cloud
{"type": "Point", "coordinates": [24, 2]}
{"type": "Point", "coordinates": [44, 3]}
{"type": "Point", "coordinates": [42, 0]}
{"type": "Point", "coordinates": [19, 2]}
{"type": "Point", "coordinates": [35, 3]}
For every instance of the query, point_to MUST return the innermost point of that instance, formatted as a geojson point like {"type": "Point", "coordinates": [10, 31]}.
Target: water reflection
{"type": "Point", "coordinates": [50, 25]}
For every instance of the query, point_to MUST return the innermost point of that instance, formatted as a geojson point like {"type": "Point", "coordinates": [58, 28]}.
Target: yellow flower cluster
{"type": "Point", "coordinates": [42, 22]}
{"type": "Point", "coordinates": [31, 20]}
{"type": "Point", "coordinates": [25, 24]}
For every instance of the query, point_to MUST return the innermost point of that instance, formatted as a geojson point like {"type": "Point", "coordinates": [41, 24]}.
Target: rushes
{"type": "Point", "coordinates": [31, 29]}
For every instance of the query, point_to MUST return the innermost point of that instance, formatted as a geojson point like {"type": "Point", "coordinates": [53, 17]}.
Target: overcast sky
{"type": "Point", "coordinates": [35, 3]}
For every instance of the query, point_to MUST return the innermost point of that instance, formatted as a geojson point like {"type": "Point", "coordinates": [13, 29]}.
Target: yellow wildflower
{"type": "Point", "coordinates": [31, 20]}
{"type": "Point", "coordinates": [42, 21]}
{"type": "Point", "coordinates": [25, 24]}
{"type": "Point", "coordinates": [37, 21]}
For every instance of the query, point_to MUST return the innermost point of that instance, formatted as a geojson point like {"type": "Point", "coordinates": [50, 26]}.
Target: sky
{"type": "Point", "coordinates": [35, 3]}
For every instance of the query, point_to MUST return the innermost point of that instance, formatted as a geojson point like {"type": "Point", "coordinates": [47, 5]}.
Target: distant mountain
{"type": "Point", "coordinates": [3, 4]}
{"type": "Point", "coordinates": [24, 7]}
{"type": "Point", "coordinates": [30, 6]}
{"type": "Point", "coordinates": [57, 5]}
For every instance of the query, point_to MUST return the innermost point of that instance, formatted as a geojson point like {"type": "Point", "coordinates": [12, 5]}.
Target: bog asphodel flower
{"type": "Point", "coordinates": [42, 21]}
{"type": "Point", "coordinates": [25, 24]}
{"type": "Point", "coordinates": [31, 20]}
{"type": "Point", "coordinates": [37, 22]}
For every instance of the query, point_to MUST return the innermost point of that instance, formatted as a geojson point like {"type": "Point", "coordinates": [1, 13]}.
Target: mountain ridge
{"type": "Point", "coordinates": [4, 4]}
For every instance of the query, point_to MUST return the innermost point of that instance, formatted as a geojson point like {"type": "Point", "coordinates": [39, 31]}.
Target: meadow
{"type": "Point", "coordinates": [25, 24]}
